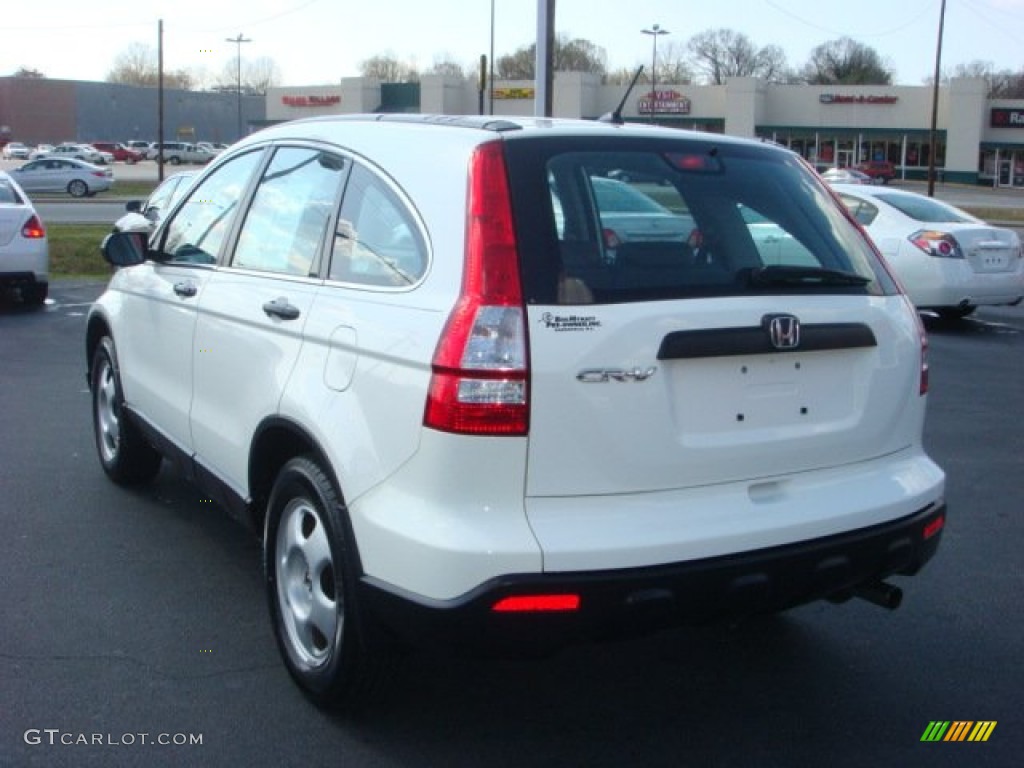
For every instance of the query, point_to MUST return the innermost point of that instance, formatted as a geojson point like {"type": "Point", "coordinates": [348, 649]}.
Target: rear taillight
{"type": "Point", "coordinates": [934, 527]}
{"type": "Point", "coordinates": [941, 245]}
{"type": "Point", "coordinates": [922, 334]}
{"type": "Point", "coordinates": [33, 229]}
{"type": "Point", "coordinates": [480, 381]}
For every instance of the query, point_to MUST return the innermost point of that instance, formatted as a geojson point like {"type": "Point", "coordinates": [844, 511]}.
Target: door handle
{"type": "Point", "coordinates": [186, 289]}
{"type": "Point", "coordinates": [280, 308]}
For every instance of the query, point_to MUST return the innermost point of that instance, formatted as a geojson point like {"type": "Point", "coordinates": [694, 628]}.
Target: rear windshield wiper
{"type": "Point", "coordinates": [790, 275]}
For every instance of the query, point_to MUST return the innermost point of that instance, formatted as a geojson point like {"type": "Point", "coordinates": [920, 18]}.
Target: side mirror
{"type": "Point", "coordinates": [124, 249]}
{"type": "Point", "coordinates": [133, 206]}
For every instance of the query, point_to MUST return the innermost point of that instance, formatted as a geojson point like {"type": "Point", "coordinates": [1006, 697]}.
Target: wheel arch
{"type": "Point", "coordinates": [97, 328]}
{"type": "Point", "coordinates": [275, 442]}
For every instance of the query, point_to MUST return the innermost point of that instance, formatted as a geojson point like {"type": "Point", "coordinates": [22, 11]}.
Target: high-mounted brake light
{"type": "Point", "coordinates": [480, 382]}
{"type": "Point", "coordinates": [33, 229]}
{"type": "Point", "coordinates": [537, 604]}
{"type": "Point", "coordinates": [695, 162]}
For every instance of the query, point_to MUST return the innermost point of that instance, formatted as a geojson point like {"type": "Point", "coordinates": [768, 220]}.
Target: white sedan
{"type": "Point", "coordinates": [947, 260]}
{"type": "Point", "coordinates": [24, 249]}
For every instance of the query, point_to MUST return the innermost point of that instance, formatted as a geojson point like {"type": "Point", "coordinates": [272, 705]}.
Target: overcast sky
{"type": "Point", "coordinates": [319, 41]}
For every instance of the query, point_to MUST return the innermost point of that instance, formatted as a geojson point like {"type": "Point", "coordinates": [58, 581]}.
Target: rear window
{"type": "Point", "coordinates": [8, 196]}
{"type": "Point", "coordinates": [924, 209]}
{"type": "Point", "coordinates": [641, 220]}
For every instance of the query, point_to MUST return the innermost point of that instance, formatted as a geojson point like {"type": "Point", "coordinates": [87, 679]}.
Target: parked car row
{"type": "Point", "coordinates": [105, 152]}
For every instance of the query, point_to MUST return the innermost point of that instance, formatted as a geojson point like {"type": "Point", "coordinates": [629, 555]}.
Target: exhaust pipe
{"type": "Point", "coordinates": [880, 593]}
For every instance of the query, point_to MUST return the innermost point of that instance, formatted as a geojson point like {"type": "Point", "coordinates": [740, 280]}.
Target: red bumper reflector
{"type": "Point", "coordinates": [537, 603]}
{"type": "Point", "coordinates": [934, 527]}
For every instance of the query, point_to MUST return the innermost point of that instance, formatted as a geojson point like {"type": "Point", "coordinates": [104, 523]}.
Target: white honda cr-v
{"type": "Point", "coordinates": [472, 387]}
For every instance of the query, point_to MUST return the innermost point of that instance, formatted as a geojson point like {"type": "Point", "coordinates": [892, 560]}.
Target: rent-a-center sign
{"type": "Point", "coordinates": [1007, 118]}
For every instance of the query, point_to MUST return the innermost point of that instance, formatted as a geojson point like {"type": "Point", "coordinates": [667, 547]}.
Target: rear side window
{"type": "Point", "coordinates": [376, 241]}
{"type": "Point", "coordinates": [636, 221]}
{"type": "Point", "coordinates": [863, 211]}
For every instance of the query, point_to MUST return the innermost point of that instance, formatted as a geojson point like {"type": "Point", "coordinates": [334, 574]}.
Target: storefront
{"type": "Point", "coordinates": [909, 151]}
{"type": "Point", "coordinates": [977, 141]}
{"type": "Point", "coordinates": [1002, 157]}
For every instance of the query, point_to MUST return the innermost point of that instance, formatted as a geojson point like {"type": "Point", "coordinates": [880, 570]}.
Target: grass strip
{"type": "Point", "coordinates": [75, 250]}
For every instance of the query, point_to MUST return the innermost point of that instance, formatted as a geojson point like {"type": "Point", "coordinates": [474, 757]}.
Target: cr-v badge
{"type": "Point", "coordinates": [603, 375]}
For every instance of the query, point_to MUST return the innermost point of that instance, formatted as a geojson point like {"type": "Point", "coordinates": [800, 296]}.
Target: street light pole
{"type": "Point", "coordinates": [932, 142]}
{"type": "Point", "coordinates": [238, 68]}
{"type": "Point", "coordinates": [654, 32]}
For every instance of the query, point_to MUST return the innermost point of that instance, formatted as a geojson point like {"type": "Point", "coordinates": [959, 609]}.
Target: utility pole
{"type": "Point", "coordinates": [543, 99]}
{"type": "Point", "coordinates": [655, 32]}
{"type": "Point", "coordinates": [160, 100]}
{"type": "Point", "coordinates": [935, 103]}
{"type": "Point", "coordinates": [238, 61]}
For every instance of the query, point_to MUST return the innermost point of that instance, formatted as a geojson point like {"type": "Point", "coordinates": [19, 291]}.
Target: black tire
{"type": "Point", "coordinates": [78, 188]}
{"type": "Point", "coordinates": [313, 605]}
{"type": "Point", "coordinates": [955, 313]}
{"type": "Point", "coordinates": [175, 160]}
{"type": "Point", "coordinates": [35, 295]}
{"type": "Point", "coordinates": [123, 452]}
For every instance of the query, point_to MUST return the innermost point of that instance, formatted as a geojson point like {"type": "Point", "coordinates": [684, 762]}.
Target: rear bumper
{"type": "Point", "coordinates": [637, 600]}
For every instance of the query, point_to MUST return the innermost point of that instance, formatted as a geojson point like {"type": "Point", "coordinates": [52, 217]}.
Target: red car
{"type": "Point", "coordinates": [880, 171]}
{"type": "Point", "coordinates": [119, 151]}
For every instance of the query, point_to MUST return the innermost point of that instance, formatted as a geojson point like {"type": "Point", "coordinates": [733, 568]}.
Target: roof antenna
{"type": "Point", "coordinates": [616, 116]}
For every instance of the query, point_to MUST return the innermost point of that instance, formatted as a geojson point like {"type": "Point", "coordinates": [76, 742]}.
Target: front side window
{"type": "Point", "coordinates": [679, 219]}
{"type": "Point", "coordinates": [195, 235]}
{"type": "Point", "coordinates": [286, 222]}
{"type": "Point", "coordinates": [376, 240]}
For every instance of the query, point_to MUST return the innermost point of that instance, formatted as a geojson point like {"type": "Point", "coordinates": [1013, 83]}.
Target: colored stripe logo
{"type": "Point", "coordinates": [959, 730]}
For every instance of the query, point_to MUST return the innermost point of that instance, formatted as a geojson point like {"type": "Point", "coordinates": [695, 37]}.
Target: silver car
{"type": "Point", "coordinates": [53, 174]}
{"type": "Point", "coordinates": [24, 250]}
{"type": "Point", "coordinates": [15, 150]}
{"type": "Point", "coordinates": [145, 216]}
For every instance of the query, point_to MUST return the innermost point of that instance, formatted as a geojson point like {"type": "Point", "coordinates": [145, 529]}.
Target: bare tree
{"type": "Point", "coordinates": [673, 64]}
{"type": "Point", "coordinates": [261, 74]}
{"type": "Point", "coordinates": [569, 56]}
{"type": "Point", "coordinates": [33, 74]}
{"type": "Point", "coordinates": [388, 69]}
{"type": "Point", "coordinates": [257, 75]}
{"type": "Point", "coordinates": [1002, 84]}
{"type": "Point", "coordinates": [846, 62]}
{"type": "Point", "coordinates": [445, 64]}
{"type": "Point", "coordinates": [137, 65]}
{"type": "Point", "coordinates": [722, 53]}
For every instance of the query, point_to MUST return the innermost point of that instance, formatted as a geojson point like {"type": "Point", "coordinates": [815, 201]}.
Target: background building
{"type": "Point", "coordinates": [35, 110]}
{"type": "Point", "coordinates": [978, 140]}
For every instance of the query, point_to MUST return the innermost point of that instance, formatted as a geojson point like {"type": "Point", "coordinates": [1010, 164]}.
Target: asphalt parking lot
{"type": "Point", "coordinates": [131, 616]}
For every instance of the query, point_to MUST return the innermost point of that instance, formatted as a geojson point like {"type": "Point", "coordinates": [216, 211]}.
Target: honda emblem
{"type": "Point", "coordinates": [783, 330]}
